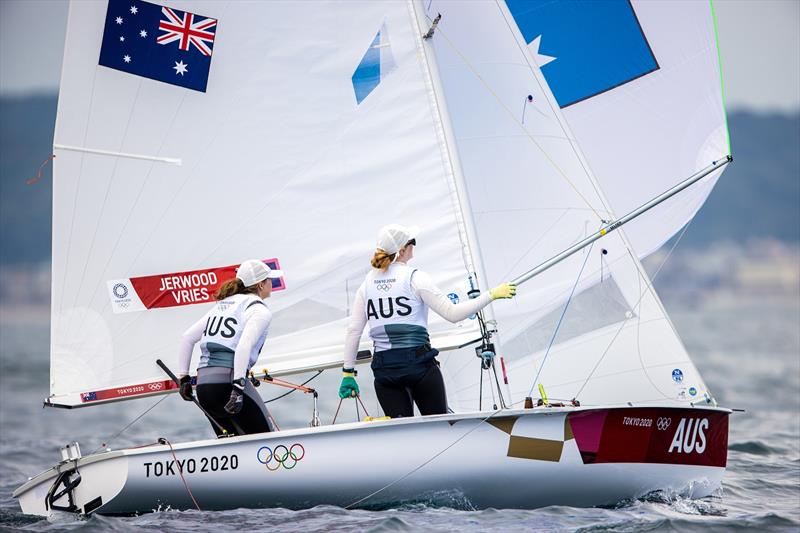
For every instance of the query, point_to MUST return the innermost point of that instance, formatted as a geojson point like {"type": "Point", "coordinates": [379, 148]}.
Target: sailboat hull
{"type": "Point", "coordinates": [511, 459]}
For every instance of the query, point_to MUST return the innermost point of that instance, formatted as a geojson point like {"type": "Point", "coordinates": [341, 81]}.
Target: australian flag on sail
{"type": "Point", "coordinates": [158, 42]}
{"type": "Point", "coordinates": [584, 47]}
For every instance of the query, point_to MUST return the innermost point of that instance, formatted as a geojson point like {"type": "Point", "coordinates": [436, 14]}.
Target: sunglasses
{"type": "Point", "coordinates": [412, 242]}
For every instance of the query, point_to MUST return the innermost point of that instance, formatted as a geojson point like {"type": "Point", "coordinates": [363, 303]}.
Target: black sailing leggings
{"type": "Point", "coordinates": [397, 395]}
{"type": "Point", "coordinates": [214, 391]}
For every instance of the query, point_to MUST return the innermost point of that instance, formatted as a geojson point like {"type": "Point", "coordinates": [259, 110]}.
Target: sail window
{"type": "Point", "coordinates": [375, 65]}
{"type": "Point", "coordinates": [582, 62]}
{"type": "Point", "coordinates": [595, 308]}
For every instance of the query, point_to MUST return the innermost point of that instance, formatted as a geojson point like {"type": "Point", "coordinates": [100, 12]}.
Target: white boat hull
{"type": "Point", "coordinates": [514, 459]}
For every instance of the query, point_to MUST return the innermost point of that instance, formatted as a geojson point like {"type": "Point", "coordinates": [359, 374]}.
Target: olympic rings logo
{"type": "Point", "coordinates": [383, 286]}
{"type": "Point", "coordinates": [280, 456]}
{"type": "Point", "coordinates": [663, 423]}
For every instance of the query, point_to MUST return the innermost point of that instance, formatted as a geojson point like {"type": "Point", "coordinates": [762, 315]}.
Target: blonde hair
{"type": "Point", "coordinates": [382, 260]}
{"type": "Point", "coordinates": [234, 286]}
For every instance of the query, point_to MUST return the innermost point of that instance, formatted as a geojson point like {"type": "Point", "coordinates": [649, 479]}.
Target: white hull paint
{"type": "Point", "coordinates": [515, 459]}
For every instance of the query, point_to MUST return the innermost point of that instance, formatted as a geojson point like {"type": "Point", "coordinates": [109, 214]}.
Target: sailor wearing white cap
{"type": "Point", "coordinates": [231, 336]}
{"type": "Point", "coordinates": [393, 301]}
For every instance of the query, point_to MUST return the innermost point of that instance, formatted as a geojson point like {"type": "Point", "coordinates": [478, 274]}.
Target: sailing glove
{"type": "Point", "coordinates": [185, 389]}
{"type": "Point", "coordinates": [236, 401]}
{"type": "Point", "coordinates": [349, 387]}
{"type": "Point", "coordinates": [506, 290]}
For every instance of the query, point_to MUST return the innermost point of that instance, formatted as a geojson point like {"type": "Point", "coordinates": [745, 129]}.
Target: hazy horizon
{"type": "Point", "coordinates": [759, 45]}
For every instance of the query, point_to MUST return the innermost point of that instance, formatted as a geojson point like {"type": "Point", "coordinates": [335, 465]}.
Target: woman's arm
{"type": "Point", "coordinates": [358, 319]}
{"type": "Point", "coordinates": [257, 318]}
{"type": "Point", "coordinates": [423, 286]}
{"type": "Point", "coordinates": [188, 340]}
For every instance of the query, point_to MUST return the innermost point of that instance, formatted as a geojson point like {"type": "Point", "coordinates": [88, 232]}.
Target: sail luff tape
{"type": "Point", "coordinates": [170, 160]}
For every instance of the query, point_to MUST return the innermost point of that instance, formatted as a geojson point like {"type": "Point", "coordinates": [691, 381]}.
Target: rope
{"type": "Point", "coordinates": [358, 415]}
{"type": "Point", "coordinates": [401, 478]}
{"type": "Point", "coordinates": [38, 175]}
{"type": "Point", "coordinates": [560, 320]}
{"type": "Point", "coordinates": [180, 471]}
{"type": "Point", "coordinates": [118, 433]}
{"type": "Point", "coordinates": [291, 391]}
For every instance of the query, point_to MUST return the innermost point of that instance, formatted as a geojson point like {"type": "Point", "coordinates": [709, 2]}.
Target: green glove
{"type": "Point", "coordinates": [506, 290]}
{"type": "Point", "coordinates": [349, 387]}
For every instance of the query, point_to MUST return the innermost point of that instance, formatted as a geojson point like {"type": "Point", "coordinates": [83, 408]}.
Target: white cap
{"type": "Point", "coordinates": [394, 236]}
{"type": "Point", "coordinates": [254, 271]}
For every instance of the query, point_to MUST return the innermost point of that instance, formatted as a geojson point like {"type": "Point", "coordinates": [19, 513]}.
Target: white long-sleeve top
{"type": "Point", "coordinates": [257, 319]}
{"type": "Point", "coordinates": [427, 291]}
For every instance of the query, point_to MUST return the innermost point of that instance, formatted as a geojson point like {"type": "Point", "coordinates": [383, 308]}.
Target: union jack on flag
{"type": "Point", "coordinates": [158, 42]}
{"type": "Point", "coordinates": [188, 29]}
{"type": "Point", "coordinates": [88, 396]}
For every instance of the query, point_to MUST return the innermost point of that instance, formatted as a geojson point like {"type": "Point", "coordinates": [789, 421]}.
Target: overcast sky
{"type": "Point", "coordinates": [759, 42]}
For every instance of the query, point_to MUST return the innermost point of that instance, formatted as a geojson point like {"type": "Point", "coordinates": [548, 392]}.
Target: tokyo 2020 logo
{"type": "Point", "coordinates": [120, 290]}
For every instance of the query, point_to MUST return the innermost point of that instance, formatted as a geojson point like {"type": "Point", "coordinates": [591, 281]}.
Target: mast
{"type": "Point", "coordinates": [472, 258]}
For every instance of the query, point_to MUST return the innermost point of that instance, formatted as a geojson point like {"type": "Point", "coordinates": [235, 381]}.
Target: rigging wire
{"type": "Point", "coordinates": [560, 319]}
{"type": "Point", "coordinates": [649, 288]}
{"type": "Point", "coordinates": [527, 134]}
{"type": "Point", "coordinates": [404, 476]}
{"type": "Point", "coordinates": [132, 422]}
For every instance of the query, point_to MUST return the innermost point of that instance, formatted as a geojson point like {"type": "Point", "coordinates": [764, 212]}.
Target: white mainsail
{"type": "Point", "coordinates": [533, 191]}
{"type": "Point", "coordinates": [311, 134]}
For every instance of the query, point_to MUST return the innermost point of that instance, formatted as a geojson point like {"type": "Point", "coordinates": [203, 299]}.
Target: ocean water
{"type": "Point", "coordinates": [746, 346]}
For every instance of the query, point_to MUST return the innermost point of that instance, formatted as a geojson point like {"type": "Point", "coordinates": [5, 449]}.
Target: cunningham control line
{"type": "Point", "coordinates": [611, 226]}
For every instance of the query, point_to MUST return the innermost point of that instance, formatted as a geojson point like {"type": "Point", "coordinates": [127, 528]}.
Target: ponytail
{"type": "Point", "coordinates": [231, 287]}
{"type": "Point", "coordinates": [381, 260]}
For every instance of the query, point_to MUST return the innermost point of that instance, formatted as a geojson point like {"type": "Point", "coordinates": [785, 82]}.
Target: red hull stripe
{"type": "Point", "coordinates": [192, 287]}
{"type": "Point", "coordinates": [652, 435]}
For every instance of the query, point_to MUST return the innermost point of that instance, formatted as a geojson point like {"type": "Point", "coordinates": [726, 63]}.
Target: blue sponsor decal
{"type": "Point", "coordinates": [453, 297]}
{"type": "Point", "coordinates": [597, 45]}
{"type": "Point", "coordinates": [692, 391]}
{"type": "Point", "coordinates": [677, 375]}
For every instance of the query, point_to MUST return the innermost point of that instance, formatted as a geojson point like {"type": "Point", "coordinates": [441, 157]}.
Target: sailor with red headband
{"type": "Point", "coordinates": [394, 301]}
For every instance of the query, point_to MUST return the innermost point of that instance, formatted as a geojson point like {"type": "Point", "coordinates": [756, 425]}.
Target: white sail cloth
{"type": "Point", "coordinates": [533, 191]}
{"type": "Point", "coordinates": [296, 151]}
{"type": "Point", "coordinates": [321, 122]}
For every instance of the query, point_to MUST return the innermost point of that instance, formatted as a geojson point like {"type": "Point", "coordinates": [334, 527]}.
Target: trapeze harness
{"type": "Point", "coordinates": [223, 330]}
{"type": "Point", "coordinates": [404, 362]}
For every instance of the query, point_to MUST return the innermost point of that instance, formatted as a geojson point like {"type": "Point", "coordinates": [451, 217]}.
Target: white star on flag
{"type": "Point", "coordinates": [119, 20]}
{"type": "Point", "coordinates": [134, 9]}
{"type": "Point", "coordinates": [181, 68]}
{"type": "Point", "coordinates": [121, 38]}
{"type": "Point", "coordinates": [541, 59]}
{"type": "Point", "coordinates": [143, 33]}
{"type": "Point", "coordinates": [127, 59]}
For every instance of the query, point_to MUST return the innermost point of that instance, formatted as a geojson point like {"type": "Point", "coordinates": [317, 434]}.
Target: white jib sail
{"type": "Point", "coordinates": [533, 192]}
{"type": "Point", "coordinates": [315, 128]}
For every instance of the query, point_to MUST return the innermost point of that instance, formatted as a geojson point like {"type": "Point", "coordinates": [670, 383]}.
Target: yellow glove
{"type": "Point", "coordinates": [506, 290]}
